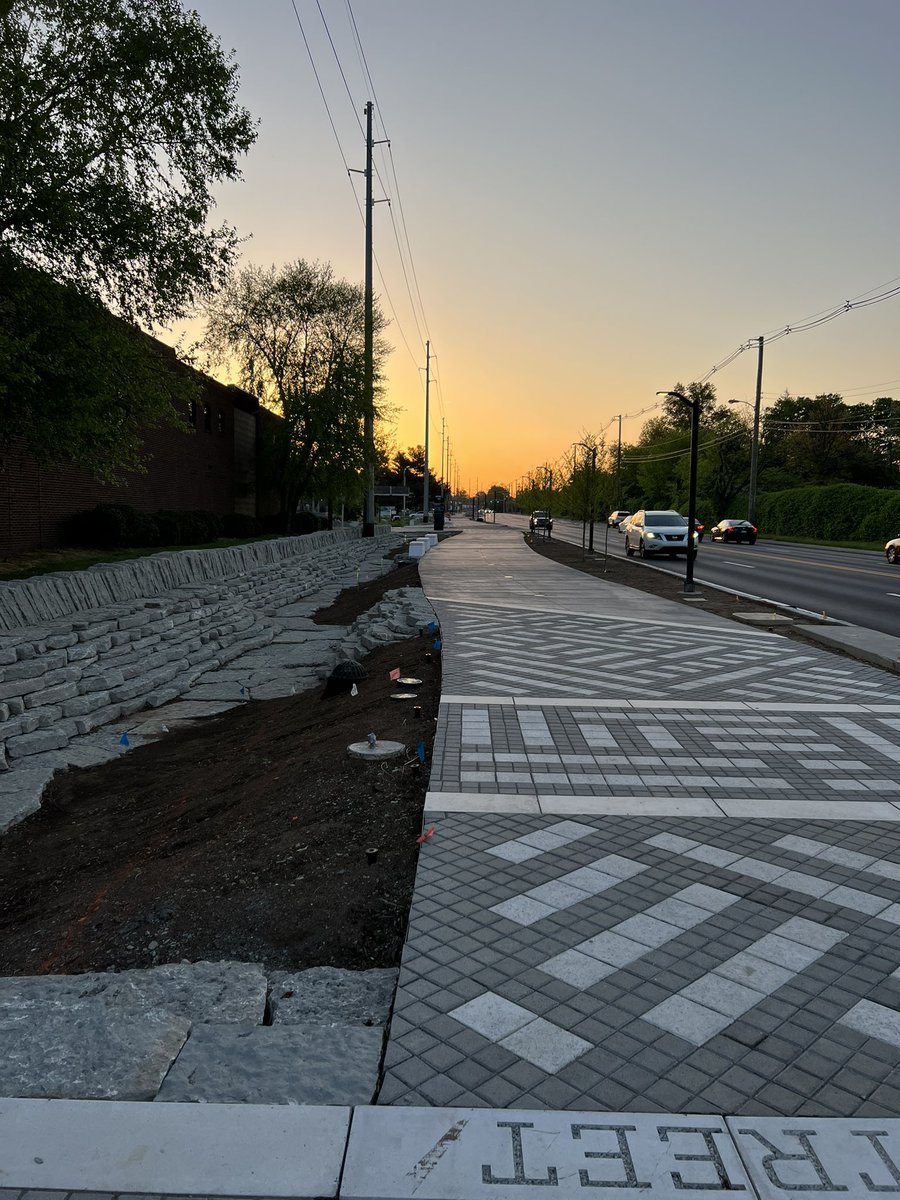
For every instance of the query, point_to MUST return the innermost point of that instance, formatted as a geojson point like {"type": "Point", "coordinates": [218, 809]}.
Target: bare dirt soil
{"type": "Point", "coordinates": [243, 837]}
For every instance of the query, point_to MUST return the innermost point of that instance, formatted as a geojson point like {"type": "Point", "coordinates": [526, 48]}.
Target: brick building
{"type": "Point", "coordinates": [213, 468]}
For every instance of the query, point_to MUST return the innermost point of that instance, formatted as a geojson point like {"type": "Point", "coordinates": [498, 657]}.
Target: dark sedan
{"type": "Point", "coordinates": [733, 531]}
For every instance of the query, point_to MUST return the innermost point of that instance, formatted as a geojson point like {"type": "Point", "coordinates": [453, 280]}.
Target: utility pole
{"type": "Point", "coordinates": [442, 456]}
{"type": "Point", "coordinates": [619, 464]}
{"type": "Point", "coordinates": [368, 529]}
{"type": "Point", "coordinates": [427, 381]}
{"type": "Point", "coordinates": [754, 450]}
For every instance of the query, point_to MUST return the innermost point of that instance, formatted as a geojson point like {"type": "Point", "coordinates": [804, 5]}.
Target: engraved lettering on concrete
{"type": "Point", "coordinates": [518, 1153]}
{"type": "Point", "coordinates": [712, 1156]}
{"type": "Point", "coordinates": [776, 1155]}
{"type": "Point", "coordinates": [873, 1135]}
{"type": "Point", "coordinates": [622, 1154]}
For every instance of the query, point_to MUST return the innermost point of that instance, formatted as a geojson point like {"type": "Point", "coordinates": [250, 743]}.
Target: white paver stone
{"type": "Point", "coordinates": [492, 1016]}
{"type": "Point", "coordinates": [874, 1021]}
{"type": "Point", "coordinates": [546, 1045]}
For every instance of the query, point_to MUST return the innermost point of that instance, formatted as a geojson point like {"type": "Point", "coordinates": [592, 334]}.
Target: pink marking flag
{"type": "Point", "coordinates": [395, 674]}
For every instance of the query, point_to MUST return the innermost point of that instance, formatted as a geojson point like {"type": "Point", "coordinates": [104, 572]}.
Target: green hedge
{"type": "Point", "coordinates": [841, 512]}
{"type": "Point", "coordinates": [118, 526]}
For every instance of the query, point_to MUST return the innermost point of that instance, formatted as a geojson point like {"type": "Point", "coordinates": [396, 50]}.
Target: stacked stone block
{"type": "Point", "coordinates": [85, 663]}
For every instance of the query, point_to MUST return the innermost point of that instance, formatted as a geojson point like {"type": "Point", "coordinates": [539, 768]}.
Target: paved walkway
{"type": "Point", "coordinates": [660, 903]}
{"type": "Point", "coordinates": [665, 873]}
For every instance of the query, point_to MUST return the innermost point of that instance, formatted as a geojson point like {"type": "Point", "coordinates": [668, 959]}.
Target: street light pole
{"type": "Point", "coordinates": [593, 450]}
{"type": "Point", "coordinates": [694, 402]}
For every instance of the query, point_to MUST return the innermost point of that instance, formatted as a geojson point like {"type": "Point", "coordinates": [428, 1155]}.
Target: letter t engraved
{"type": "Point", "coordinates": [519, 1176]}
{"type": "Point", "coordinates": [873, 1135]}
{"type": "Point", "coordinates": [623, 1155]}
{"type": "Point", "coordinates": [825, 1183]}
{"type": "Point", "coordinates": [712, 1156]}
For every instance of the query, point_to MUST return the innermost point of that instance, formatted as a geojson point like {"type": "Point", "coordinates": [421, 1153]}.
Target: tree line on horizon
{"type": "Point", "coordinates": [805, 441]}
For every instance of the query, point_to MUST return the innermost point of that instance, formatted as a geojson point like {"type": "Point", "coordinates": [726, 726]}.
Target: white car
{"type": "Point", "coordinates": [656, 531]}
{"type": "Point", "coordinates": [892, 550]}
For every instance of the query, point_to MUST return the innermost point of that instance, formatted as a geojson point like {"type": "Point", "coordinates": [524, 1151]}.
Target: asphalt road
{"type": "Point", "coordinates": [857, 586]}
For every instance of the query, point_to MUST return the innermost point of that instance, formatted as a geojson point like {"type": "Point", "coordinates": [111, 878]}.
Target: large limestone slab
{"type": "Point", "coordinates": [222, 992]}
{"type": "Point", "coordinates": [86, 1050]}
{"type": "Point", "coordinates": [328, 995]}
{"type": "Point", "coordinates": [178, 1150]}
{"type": "Point", "coordinates": [290, 1064]}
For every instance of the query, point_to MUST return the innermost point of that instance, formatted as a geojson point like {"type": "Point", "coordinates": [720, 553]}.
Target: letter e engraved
{"type": "Point", "coordinates": [873, 1135]}
{"type": "Point", "coordinates": [488, 1176]}
{"type": "Point", "coordinates": [712, 1156]}
{"type": "Point", "coordinates": [623, 1154]}
{"type": "Point", "coordinates": [825, 1183]}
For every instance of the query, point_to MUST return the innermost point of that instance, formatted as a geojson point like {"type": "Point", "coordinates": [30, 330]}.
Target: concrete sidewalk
{"type": "Point", "coordinates": [660, 902]}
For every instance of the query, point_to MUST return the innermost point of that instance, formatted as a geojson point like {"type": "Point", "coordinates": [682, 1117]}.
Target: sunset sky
{"type": "Point", "coordinates": [601, 198]}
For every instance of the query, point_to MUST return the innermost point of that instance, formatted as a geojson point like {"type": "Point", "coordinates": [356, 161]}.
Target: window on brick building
{"type": "Point", "coordinates": [221, 420]}
{"type": "Point", "coordinates": [207, 417]}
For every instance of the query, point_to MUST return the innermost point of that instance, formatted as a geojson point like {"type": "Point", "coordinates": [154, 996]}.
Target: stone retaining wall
{"type": "Point", "coordinates": [95, 646]}
{"type": "Point", "coordinates": [26, 602]}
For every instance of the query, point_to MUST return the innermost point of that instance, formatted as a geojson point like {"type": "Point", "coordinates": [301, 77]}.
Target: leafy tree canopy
{"type": "Point", "coordinates": [295, 334]}
{"type": "Point", "coordinates": [116, 120]}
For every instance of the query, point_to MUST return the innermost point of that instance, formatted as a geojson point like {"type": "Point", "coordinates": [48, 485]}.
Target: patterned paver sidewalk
{"type": "Point", "coordinates": [665, 872]}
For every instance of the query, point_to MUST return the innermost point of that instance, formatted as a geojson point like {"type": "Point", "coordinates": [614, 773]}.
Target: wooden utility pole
{"type": "Point", "coordinates": [368, 529]}
{"type": "Point", "coordinates": [427, 380]}
{"type": "Point", "coordinates": [754, 449]}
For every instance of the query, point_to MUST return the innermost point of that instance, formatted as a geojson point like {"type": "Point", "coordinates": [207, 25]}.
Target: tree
{"type": "Point", "coordinates": [296, 338]}
{"type": "Point", "coordinates": [116, 121]}
{"type": "Point", "coordinates": [678, 414]}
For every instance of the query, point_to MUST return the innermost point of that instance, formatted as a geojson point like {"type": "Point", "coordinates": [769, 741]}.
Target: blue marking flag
{"type": "Point", "coordinates": [420, 750]}
{"type": "Point", "coordinates": [438, 644]}
{"type": "Point", "coordinates": [123, 740]}
{"type": "Point", "coordinates": [431, 627]}
{"type": "Point", "coordinates": [242, 691]}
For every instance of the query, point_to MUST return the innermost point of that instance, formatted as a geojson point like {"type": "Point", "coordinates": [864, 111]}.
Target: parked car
{"type": "Point", "coordinates": [615, 519]}
{"type": "Point", "coordinates": [892, 550]}
{"type": "Point", "coordinates": [730, 530]}
{"type": "Point", "coordinates": [540, 519]}
{"type": "Point", "coordinates": [700, 527]}
{"type": "Point", "coordinates": [652, 531]}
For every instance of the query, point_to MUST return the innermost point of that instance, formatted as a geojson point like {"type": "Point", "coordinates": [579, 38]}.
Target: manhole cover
{"type": "Point", "coordinates": [408, 682]}
{"type": "Point", "coordinates": [404, 696]}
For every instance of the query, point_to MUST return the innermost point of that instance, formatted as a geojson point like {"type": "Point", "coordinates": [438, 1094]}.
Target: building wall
{"type": "Point", "coordinates": [212, 468]}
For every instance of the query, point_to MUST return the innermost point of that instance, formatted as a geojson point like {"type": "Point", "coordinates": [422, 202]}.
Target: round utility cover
{"type": "Point", "coordinates": [380, 752]}
{"type": "Point", "coordinates": [405, 696]}
{"type": "Point", "coordinates": [407, 682]}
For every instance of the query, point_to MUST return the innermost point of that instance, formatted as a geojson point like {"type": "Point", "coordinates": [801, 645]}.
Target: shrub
{"type": "Point", "coordinates": [238, 525]}
{"type": "Point", "coordinates": [108, 526]}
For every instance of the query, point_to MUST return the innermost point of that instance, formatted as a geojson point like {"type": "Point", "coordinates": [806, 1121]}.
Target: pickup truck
{"type": "Point", "coordinates": [540, 519]}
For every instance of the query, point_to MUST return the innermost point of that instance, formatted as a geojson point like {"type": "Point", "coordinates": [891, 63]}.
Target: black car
{"type": "Point", "coordinates": [733, 531]}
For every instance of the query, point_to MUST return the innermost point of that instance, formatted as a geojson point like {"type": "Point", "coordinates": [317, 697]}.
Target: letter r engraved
{"type": "Point", "coordinates": [873, 1135]}
{"type": "Point", "coordinates": [519, 1176]}
{"type": "Point", "coordinates": [712, 1156]}
{"type": "Point", "coordinates": [825, 1183]}
{"type": "Point", "coordinates": [623, 1155]}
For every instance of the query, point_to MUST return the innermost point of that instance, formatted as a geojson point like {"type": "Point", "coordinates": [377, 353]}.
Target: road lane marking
{"type": "Point", "coordinates": [820, 566]}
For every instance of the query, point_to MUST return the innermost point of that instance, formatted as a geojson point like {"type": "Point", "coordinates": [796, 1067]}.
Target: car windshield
{"type": "Point", "coordinates": [664, 518]}
{"type": "Point", "coordinates": [539, 514]}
